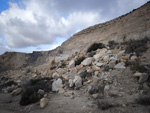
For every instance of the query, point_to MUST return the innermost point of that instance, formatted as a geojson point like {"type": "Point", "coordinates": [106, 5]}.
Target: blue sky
{"type": "Point", "coordinates": [41, 25]}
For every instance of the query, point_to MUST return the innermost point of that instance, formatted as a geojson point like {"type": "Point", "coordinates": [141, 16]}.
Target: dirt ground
{"type": "Point", "coordinates": [58, 103]}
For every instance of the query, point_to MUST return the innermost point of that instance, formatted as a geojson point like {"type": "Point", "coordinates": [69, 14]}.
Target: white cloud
{"type": "Point", "coordinates": [34, 25]}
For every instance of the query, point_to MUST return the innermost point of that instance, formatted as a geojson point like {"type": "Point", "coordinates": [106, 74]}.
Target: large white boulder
{"type": "Point", "coordinates": [57, 84]}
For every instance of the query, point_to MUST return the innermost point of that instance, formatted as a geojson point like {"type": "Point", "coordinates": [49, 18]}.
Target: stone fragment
{"type": "Point", "coordinates": [112, 64]}
{"type": "Point", "coordinates": [77, 81]}
{"type": "Point", "coordinates": [99, 64]}
{"type": "Point", "coordinates": [65, 76]}
{"type": "Point", "coordinates": [95, 79]}
{"type": "Point", "coordinates": [133, 58]}
{"type": "Point", "coordinates": [106, 58]}
{"type": "Point", "coordinates": [143, 78]}
{"type": "Point", "coordinates": [71, 83]}
{"type": "Point", "coordinates": [10, 88]}
{"type": "Point", "coordinates": [87, 61]}
{"type": "Point", "coordinates": [100, 54]}
{"type": "Point", "coordinates": [57, 84]}
{"type": "Point", "coordinates": [120, 66]}
{"type": "Point", "coordinates": [138, 74]}
{"type": "Point", "coordinates": [107, 87]}
{"type": "Point", "coordinates": [61, 90]}
{"type": "Point", "coordinates": [43, 102]}
{"type": "Point", "coordinates": [56, 75]}
{"type": "Point", "coordinates": [95, 68]}
{"type": "Point", "coordinates": [41, 92]}
{"type": "Point", "coordinates": [72, 64]}
{"type": "Point", "coordinates": [16, 92]}
{"type": "Point", "coordinates": [95, 96]}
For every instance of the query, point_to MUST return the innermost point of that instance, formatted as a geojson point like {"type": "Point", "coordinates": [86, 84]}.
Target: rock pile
{"type": "Point", "coordinates": [103, 73]}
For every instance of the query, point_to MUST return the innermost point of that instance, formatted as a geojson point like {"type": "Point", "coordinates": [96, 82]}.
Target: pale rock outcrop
{"type": "Point", "coordinates": [57, 84]}
{"type": "Point", "coordinates": [87, 61]}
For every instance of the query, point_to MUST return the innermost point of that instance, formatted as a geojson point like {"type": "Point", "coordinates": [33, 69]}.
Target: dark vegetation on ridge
{"type": "Point", "coordinates": [96, 46]}
{"type": "Point", "coordinates": [137, 46]}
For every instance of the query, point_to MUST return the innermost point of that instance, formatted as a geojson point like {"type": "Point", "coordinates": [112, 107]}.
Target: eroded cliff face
{"type": "Point", "coordinates": [133, 25]}
{"type": "Point", "coordinates": [16, 60]}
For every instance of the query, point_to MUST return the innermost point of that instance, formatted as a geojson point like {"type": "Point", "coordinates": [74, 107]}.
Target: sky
{"type": "Point", "coordinates": [41, 25]}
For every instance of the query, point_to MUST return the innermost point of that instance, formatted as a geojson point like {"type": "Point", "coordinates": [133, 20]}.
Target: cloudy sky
{"type": "Point", "coordinates": [35, 25]}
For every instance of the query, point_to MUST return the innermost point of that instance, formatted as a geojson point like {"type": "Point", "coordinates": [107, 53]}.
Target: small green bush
{"type": "Point", "coordinates": [96, 46]}
{"type": "Point", "coordinates": [137, 46]}
{"type": "Point", "coordinates": [79, 60]}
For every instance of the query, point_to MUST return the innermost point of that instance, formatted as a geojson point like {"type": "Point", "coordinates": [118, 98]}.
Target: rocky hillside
{"type": "Point", "coordinates": [105, 73]}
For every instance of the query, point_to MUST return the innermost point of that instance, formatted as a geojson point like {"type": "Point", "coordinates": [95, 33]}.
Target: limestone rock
{"type": "Point", "coordinates": [99, 64]}
{"type": "Point", "coordinates": [143, 78]}
{"type": "Point", "coordinates": [97, 56]}
{"type": "Point", "coordinates": [95, 68]}
{"type": "Point", "coordinates": [95, 96]}
{"type": "Point", "coordinates": [55, 75]}
{"type": "Point", "coordinates": [95, 79]}
{"type": "Point", "coordinates": [77, 81]}
{"type": "Point", "coordinates": [16, 92]}
{"type": "Point", "coordinates": [61, 90]}
{"type": "Point", "coordinates": [60, 71]}
{"type": "Point", "coordinates": [107, 87]}
{"type": "Point", "coordinates": [87, 61]}
{"type": "Point", "coordinates": [106, 58]}
{"type": "Point", "coordinates": [57, 84]}
{"type": "Point", "coordinates": [71, 83]}
{"type": "Point", "coordinates": [43, 102]}
{"type": "Point", "coordinates": [72, 64]}
{"type": "Point", "coordinates": [138, 74]}
{"type": "Point", "coordinates": [112, 64]}
{"type": "Point", "coordinates": [120, 66]}
{"type": "Point", "coordinates": [65, 76]}
{"type": "Point", "coordinates": [10, 88]}
{"type": "Point", "coordinates": [133, 58]}
{"type": "Point", "coordinates": [41, 92]}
